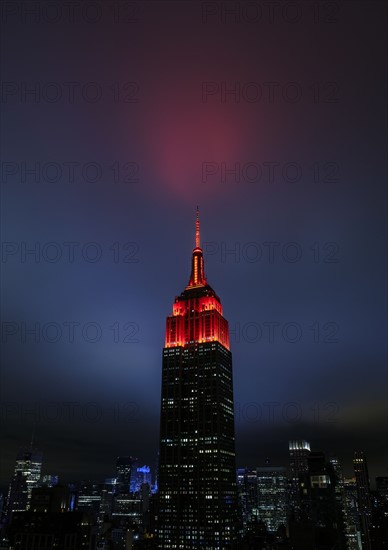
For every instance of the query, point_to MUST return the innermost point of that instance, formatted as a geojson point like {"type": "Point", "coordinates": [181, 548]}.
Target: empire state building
{"type": "Point", "coordinates": [197, 473]}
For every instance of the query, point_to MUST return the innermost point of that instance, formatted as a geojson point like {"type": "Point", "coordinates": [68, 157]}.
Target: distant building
{"type": "Point", "coordinates": [89, 496]}
{"type": "Point", "coordinates": [320, 522]}
{"type": "Point", "coordinates": [48, 524]}
{"type": "Point", "coordinates": [379, 530]}
{"type": "Point", "coordinates": [382, 493]}
{"type": "Point", "coordinates": [50, 499]}
{"type": "Point", "coordinates": [108, 491]}
{"type": "Point", "coordinates": [49, 480]}
{"type": "Point", "coordinates": [299, 452]}
{"type": "Point", "coordinates": [364, 498]}
{"type": "Point", "coordinates": [129, 506]}
{"type": "Point", "coordinates": [272, 484]}
{"type": "Point", "coordinates": [124, 467]}
{"type": "Point", "coordinates": [38, 530]}
{"type": "Point", "coordinates": [351, 516]}
{"type": "Point", "coordinates": [247, 495]}
{"type": "Point", "coordinates": [25, 478]}
{"type": "Point", "coordinates": [141, 474]}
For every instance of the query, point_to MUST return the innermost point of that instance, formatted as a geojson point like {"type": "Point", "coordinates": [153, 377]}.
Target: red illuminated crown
{"type": "Point", "coordinates": [197, 312]}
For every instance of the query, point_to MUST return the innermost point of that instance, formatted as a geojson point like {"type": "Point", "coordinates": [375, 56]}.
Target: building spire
{"type": "Point", "coordinates": [197, 277]}
{"type": "Point", "coordinates": [197, 231]}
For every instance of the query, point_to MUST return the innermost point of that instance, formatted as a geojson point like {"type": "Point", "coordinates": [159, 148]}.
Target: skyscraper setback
{"type": "Point", "coordinates": [197, 474]}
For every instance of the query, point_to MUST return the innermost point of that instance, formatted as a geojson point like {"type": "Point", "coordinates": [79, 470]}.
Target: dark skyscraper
{"type": "Point", "coordinates": [364, 497]}
{"type": "Point", "coordinates": [27, 474]}
{"type": "Point", "coordinates": [123, 470]}
{"type": "Point", "coordinates": [299, 454]}
{"type": "Point", "coordinates": [197, 475]}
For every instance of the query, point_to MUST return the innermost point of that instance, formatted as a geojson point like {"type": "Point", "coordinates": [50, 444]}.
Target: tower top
{"type": "Point", "coordinates": [197, 312]}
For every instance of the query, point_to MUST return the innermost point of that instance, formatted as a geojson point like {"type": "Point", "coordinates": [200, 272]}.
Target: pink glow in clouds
{"type": "Point", "coordinates": [180, 141]}
{"type": "Point", "coordinates": [181, 131]}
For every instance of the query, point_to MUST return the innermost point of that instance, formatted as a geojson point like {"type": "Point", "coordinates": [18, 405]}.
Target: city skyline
{"type": "Point", "coordinates": [254, 411]}
{"type": "Point", "coordinates": [118, 119]}
{"type": "Point", "coordinates": [326, 506]}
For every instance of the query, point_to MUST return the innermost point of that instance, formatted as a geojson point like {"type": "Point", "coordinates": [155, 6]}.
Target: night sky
{"type": "Point", "coordinates": [134, 123]}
